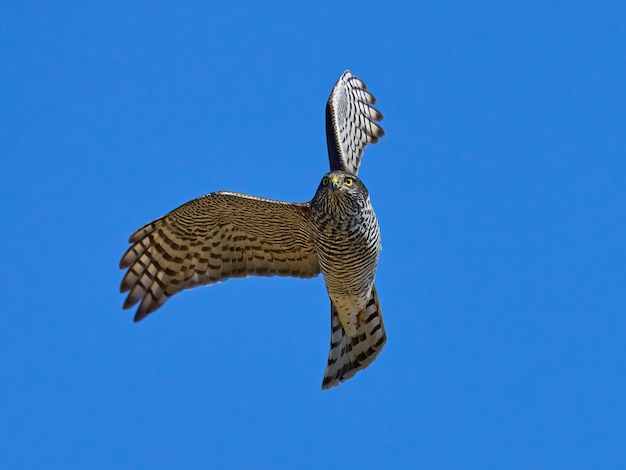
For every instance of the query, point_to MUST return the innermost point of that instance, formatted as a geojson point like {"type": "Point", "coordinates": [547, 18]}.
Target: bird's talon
{"type": "Point", "coordinates": [359, 317]}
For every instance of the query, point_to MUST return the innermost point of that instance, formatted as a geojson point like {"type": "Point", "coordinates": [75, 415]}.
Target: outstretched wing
{"type": "Point", "coordinates": [212, 238]}
{"type": "Point", "coordinates": [349, 355]}
{"type": "Point", "coordinates": [350, 123]}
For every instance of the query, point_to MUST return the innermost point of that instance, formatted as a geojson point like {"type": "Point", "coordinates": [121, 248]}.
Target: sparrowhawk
{"type": "Point", "coordinates": [225, 234]}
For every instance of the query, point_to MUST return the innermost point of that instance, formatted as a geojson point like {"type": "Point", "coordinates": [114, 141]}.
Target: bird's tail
{"type": "Point", "coordinates": [348, 355]}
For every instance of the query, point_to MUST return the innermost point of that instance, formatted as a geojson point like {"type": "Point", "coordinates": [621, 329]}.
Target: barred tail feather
{"type": "Point", "coordinates": [347, 355]}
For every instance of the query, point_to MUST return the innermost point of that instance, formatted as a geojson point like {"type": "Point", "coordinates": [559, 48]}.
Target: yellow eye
{"type": "Point", "coordinates": [325, 181]}
{"type": "Point", "coordinates": [348, 181]}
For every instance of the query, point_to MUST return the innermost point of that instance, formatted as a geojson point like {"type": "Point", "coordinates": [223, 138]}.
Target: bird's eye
{"type": "Point", "coordinates": [348, 181]}
{"type": "Point", "coordinates": [325, 181]}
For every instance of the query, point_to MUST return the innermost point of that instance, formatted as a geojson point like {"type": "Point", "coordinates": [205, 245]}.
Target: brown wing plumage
{"type": "Point", "coordinates": [213, 238]}
{"type": "Point", "coordinates": [350, 123]}
{"type": "Point", "coordinates": [349, 355]}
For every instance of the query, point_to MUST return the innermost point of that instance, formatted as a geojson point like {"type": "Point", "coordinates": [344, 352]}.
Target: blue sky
{"type": "Point", "coordinates": [500, 188]}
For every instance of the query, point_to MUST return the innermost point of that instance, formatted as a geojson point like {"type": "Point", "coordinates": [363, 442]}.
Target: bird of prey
{"type": "Point", "coordinates": [225, 235]}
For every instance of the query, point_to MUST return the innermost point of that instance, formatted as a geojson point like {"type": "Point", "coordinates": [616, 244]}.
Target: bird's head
{"type": "Point", "coordinates": [340, 181]}
{"type": "Point", "coordinates": [340, 187]}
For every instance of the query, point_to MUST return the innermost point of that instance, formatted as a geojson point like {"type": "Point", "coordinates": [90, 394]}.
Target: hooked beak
{"type": "Point", "coordinates": [334, 183]}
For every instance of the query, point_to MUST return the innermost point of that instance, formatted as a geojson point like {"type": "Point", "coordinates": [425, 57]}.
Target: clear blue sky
{"type": "Point", "coordinates": [500, 187]}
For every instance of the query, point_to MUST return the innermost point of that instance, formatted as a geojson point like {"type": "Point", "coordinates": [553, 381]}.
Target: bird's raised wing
{"type": "Point", "coordinates": [350, 123]}
{"type": "Point", "coordinates": [213, 238]}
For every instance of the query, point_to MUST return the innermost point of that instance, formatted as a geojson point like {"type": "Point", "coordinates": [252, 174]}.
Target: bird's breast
{"type": "Point", "coordinates": [348, 247]}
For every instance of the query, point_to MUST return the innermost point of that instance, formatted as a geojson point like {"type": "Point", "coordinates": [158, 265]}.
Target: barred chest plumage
{"type": "Point", "coordinates": [347, 238]}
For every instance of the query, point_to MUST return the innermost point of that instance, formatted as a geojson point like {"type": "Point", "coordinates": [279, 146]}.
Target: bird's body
{"type": "Point", "coordinates": [225, 234]}
{"type": "Point", "coordinates": [336, 216]}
